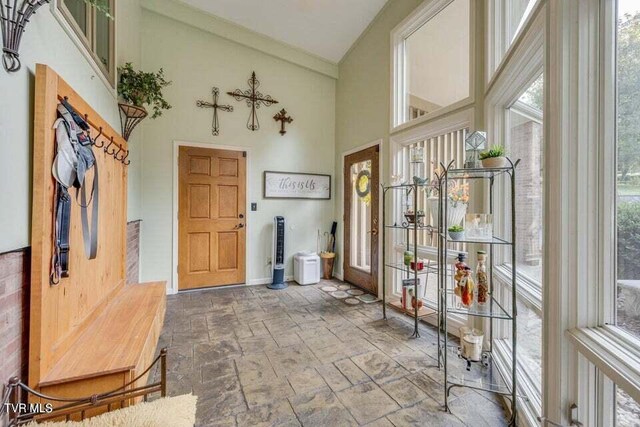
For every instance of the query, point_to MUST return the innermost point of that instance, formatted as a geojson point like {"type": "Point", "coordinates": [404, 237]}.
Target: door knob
{"type": "Point", "coordinates": [240, 225]}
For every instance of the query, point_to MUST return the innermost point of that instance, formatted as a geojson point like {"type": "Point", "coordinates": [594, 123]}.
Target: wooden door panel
{"type": "Point", "coordinates": [366, 226]}
{"type": "Point", "coordinates": [211, 217]}
{"type": "Point", "coordinates": [199, 201]}
{"type": "Point", "coordinates": [199, 252]}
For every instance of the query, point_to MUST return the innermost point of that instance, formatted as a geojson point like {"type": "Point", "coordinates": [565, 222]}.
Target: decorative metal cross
{"type": "Point", "coordinates": [215, 125]}
{"type": "Point", "coordinates": [254, 99]}
{"type": "Point", "coordinates": [282, 118]}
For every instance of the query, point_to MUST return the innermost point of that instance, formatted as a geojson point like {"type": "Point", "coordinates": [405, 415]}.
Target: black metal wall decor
{"type": "Point", "coordinates": [283, 119]}
{"type": "Point", "coordinates": [254, 99]}
{"type": "Point", "coordinates": [215, 124]}
{"type": "Point", "coordinates": [14, 16]}
{"type": "Point", "coordinates": [130, 117]}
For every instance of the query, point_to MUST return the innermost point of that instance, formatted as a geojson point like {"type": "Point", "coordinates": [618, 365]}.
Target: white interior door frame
{"type": "Point", "coordinates": [173, 289]}
{"type": "Point", "coordinates": [377, 142]}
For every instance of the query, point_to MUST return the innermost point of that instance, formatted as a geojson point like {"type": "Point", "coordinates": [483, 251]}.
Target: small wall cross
{"type": "Point", "coordinates": [282, 118]}
{"type": "Point", "coordinates": [215, 125]}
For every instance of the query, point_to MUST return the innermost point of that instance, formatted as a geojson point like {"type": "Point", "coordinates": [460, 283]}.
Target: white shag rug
{"type": "Point", "coordinates": [178, 411]}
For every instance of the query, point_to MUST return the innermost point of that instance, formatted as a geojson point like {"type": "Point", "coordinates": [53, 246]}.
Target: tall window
{"type": "Point", "coordinates": [507, 18]}
{"type": "Point", "coordinates": [432, 60]}
{"type": "Point", "coordinates": [514, 116]}
{"type": "Point", "coordinates": [524, 140]}
{"type": "Point", "coordinates": [95, 29]}
{"type": "Point", "coordinates": [628, 189]}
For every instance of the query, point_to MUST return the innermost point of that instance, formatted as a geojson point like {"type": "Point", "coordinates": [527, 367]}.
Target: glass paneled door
{"type": "Point", "coordinates": [361, 209]}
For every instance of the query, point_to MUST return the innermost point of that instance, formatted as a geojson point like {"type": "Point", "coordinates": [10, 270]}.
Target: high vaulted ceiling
{"type": "Point", "coordinates": [326, 28]}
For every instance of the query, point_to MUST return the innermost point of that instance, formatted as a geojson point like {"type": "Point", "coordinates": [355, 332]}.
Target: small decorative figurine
{"type": "Point", "coordinates": [474, 143]}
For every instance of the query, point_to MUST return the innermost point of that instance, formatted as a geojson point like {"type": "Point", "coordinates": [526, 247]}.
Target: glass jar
{"type": "Point", "coordinates": [459, 275]}
{"type": "Point", "coordinates": [467, 288]}
{"type": "Point", "coordinates": [482, 278]}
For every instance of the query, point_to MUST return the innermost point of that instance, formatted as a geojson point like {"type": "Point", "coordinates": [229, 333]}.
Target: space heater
{"type": "Point", "coordinates": [278, 254]}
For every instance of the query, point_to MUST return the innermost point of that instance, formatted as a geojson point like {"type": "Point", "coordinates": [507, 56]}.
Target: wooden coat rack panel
{"type": "Point", "coordinates": [60, 314]}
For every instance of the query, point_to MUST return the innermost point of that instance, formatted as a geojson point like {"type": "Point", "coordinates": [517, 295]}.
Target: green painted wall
{"type": "Point", "coordinates": [363, 94]}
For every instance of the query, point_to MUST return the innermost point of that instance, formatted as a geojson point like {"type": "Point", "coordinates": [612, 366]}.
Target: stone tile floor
{"type": "Point", "coordinates": [258, 357]}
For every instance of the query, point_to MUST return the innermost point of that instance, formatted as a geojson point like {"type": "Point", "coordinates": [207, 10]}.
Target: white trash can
{"type": "Point", "coordinates": [306, 268]}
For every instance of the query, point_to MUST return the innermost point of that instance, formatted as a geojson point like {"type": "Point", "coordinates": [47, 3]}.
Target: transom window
{"type": "Point", "coordinates": [95, 30]}
{"type": "Point", "coordinates": [432, 60]}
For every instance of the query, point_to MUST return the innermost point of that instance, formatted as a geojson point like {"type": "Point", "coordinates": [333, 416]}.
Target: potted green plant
{"type": "Point", "coordinates": [494, 157]}
{"type": "Point", "coordinates": [139, 89]}
{"type": "Point", "coordinates": [456, 232]}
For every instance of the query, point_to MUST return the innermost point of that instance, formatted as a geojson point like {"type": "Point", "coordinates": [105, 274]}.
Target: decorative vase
{"type": "Point", "coordinates": [495, 162]}
{"type": "Point", "coordinates": [455, 212]}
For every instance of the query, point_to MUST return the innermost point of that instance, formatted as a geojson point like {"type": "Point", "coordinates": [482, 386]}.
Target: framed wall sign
{"type": "Point", "coordinates": [293, 185]}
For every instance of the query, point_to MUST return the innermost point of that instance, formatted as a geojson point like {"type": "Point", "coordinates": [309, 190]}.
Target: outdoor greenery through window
{"type": "Point", "coordinates": [628, 187]}
{"type": "Point", "coordinates": [95, 30]}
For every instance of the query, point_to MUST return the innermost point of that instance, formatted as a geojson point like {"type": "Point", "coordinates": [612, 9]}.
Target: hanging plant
{"type": "Point", "coordinates": [139, 89]}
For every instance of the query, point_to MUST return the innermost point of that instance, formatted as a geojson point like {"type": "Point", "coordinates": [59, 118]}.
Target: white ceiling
{"type": "Point", "coordinates": [326, 28]}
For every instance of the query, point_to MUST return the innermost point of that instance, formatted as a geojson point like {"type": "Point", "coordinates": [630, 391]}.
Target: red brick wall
{"type": "Point", "coordinates": [14, 314]}
{"type": "Point", "coordinates": [133, 251]}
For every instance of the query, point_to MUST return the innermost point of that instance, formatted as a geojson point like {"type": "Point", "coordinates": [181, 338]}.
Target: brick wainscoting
{"type": "Point", "coordinates": [133, 251]}
{"type": "Point", "coordinates": [15, 271]}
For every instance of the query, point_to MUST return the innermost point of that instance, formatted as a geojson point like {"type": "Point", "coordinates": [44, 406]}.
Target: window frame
{"type": "Point", "coordinates": [523, 66]}
{"type": "Point", "coordinates": [86, 41]}
{"type": "Point", "coordinates": [613, 351]}
{"type": "Point", "coordinates": [420, 16]}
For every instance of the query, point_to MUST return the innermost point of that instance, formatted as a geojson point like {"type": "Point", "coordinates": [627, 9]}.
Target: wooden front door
{"type": "Point", "coordinates": [361, 190]}
{"type": "Point", "coordinates": [211, 217]}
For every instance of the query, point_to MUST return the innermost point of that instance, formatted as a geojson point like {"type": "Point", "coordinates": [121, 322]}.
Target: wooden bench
{"type": "Point", "coordinates": [113, 349]}
{"type": "Point", "coordinates": [89, 333]}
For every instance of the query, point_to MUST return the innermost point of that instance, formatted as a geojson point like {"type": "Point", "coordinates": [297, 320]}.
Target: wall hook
{"type": "Point", "coordinates": [106, 149]}
{"type": "Point", "coordinates": [116, 152]}
{"type": "Point", "coordinates": [127, 162]}
{"type": "Point", "coordinates": [95, 141]}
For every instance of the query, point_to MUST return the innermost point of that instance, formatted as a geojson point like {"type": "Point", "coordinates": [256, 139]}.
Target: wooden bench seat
{"type": "Point", "coordinates": [116, 347]}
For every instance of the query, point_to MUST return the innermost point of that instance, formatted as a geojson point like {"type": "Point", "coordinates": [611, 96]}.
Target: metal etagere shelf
{"type": "Point", "coordinates": [411, 228]}
{"type": "Point", "coordinates": [482, 375]}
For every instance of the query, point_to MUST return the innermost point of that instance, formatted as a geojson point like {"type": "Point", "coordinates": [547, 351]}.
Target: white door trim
{"type": "Point", "coordinates": [377, 142]}
{"type": "Point", "coordinates": [174, 219]}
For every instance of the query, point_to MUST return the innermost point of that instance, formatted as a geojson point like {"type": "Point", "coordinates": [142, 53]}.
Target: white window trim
{"type": "Point", "coordinates": [519, 70]}
{"type": "Point", "coordinates": [608, 348]}
{"type": "Point", "coordinates": [410, 24]}
{"type": "Point", "coordinates": [499, 49]}
{"type": "Point", "coordinates": [88, 55]}
{"type": "Point", "coordinates": [614, 352]}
